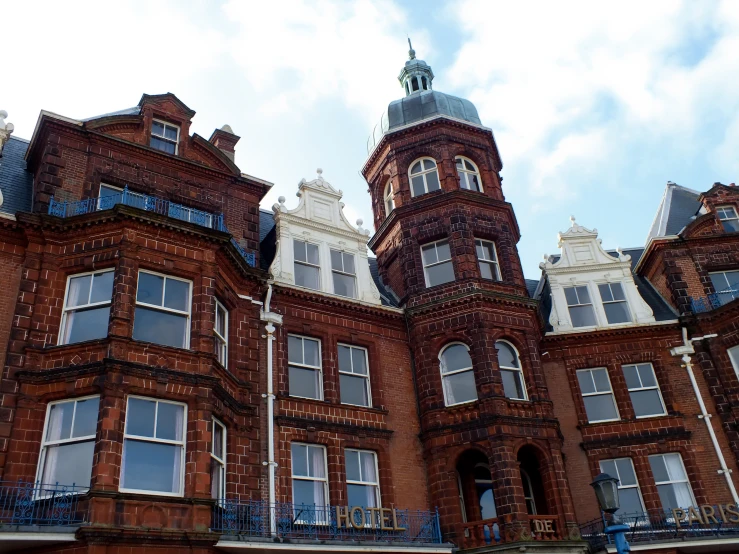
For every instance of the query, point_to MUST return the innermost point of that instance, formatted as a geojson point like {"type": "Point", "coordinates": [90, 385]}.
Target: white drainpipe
{"type": "Point", "coordinates": [271, 319]}
{"type": "Point", "coordinates": [685, 351]}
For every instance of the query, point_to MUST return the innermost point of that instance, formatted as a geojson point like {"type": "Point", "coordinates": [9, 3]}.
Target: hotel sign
{"type": "Point", "coordinates": [360, 517]}
{"type": "Point", "coordinates": [706, 514]}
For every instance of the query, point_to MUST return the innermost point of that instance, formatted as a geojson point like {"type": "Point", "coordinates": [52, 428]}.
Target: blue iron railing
{"type": "Point", "coordinates": [658, 526]}
{"type": "Point", "coordinates": [713, 300]}
{"type": "Point", "coordinates": [256, 518]}
{"type": "Point", "coordinates": [150, 204]}
{"type": "Point", "coordinates": [24, 503]}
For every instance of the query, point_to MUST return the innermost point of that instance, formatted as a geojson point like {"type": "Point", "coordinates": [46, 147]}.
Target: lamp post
{"type": "Point", "coordinates": [606, 491]}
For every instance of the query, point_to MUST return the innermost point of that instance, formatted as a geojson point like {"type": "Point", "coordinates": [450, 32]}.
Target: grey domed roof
{"type": "Point", "coordinates": [419, 106]}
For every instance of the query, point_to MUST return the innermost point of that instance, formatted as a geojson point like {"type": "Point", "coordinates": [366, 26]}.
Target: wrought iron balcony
{"type": "Point", "coordinates": [34, 504]}
{"type": "Point", "coordinates": [256, 518]}
{"type": "Point", "coordinates": [657, 525]}
{"type": "Point", "coordinates": [713, 300]}
{"type": "Point", "coordinates": [149, 204]}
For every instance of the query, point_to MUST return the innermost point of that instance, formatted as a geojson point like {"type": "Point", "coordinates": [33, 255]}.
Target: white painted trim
{"type": "Point", "coordinates": [381, 549]}
{"type": "Point", "coordinates": [681, 544]}
{"type": "Point", "coordinates": [37, 536]}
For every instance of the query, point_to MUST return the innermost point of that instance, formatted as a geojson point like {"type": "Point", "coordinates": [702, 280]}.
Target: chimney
{"type": "Point", "coordinates": [224, 139]}
{"type": "Point", "coordinates": [5, 130]}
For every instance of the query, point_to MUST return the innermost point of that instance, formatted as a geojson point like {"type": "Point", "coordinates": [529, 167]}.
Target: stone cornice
{"type": "Point", "coordinates": [330, 426]}
{"type": "Point", "coordinates": [680, 434]}
{"type": "Point", "coordinates": [464, 298]}
{"type": "Point", "coordinates": [602, 332]}
{"type": "Point", "coordinates": [350, 307]}
{"type": "Point", "coordinates": [487, 420]}
{"type": "Point", "coordinates": [311, 224]}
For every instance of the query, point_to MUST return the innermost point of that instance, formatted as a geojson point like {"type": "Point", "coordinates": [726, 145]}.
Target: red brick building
{"type": "Point", "coordinates": [186, 372]}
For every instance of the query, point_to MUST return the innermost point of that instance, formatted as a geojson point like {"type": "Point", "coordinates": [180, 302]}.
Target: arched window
{"type": "Point", "coordinates": [424, 84]}
{"type": "Point", "coordinates": [469, 175]}
{"type": "Point", "coordinates": [414, 84]}
{"type": "Point", "coordinates": [457, 377]}
{"type": "Point", "coordinates": [510, 371]}
{"type": "Point", "coordinates": [388, 198]}
{"type": "Point", "coordinates": [528, 492]}
{"type": "Point", "coordinates": [485, 496]}
{"type": "Point", "coordinates": [424, 176]}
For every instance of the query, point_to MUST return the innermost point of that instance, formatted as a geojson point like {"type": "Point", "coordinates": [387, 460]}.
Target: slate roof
{"type": "Point", "coordinates": [16, 182]}
{"type": "Point", "coordinates": [135, 110]}
{"type": "Point", "coordinates": [420, 106]}
{"type": "Point", "coordinates": [268, 244]}
{"type": "Point", "coordinates": [679, 207]}
{"type": "Point", "coordinates": [531, 285]}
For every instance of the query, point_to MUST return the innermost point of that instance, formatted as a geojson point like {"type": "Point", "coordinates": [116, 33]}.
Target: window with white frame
{"type": "Point", "coordinates": [86, 307]}
{"type": "Point", "coordinates": [354, 376]}
{"type": "Point", "coordinates": [437, 263]}
{"type": "Point", "coordinates": [362, 483]}
{"type": "Point", "coordinates": [729, 218]}
{"type": "Point", "coordinates": [108, 196]}
{"type": "Point", "coordinates": [69, 442]}
{"type": "Point", "coordinates": [309, 477]}
{"type": "Point", "coordinates": [344, 274]}
{"type": "Point", "coordinates": [388, 198]}
{"type": "Point", "coordinates": [487, 258]}
{"type": "Point", "coordinates": [672, 481]}
{"type": "Point", "coordinates": [528, 492]}
{"type": "Point", "coordinates": [424, 177]}
{"type": "Point", "coordinates": [457, 376]}
{"type": "Point", "coordinates": [646, 397]}
{"type": "Point", "coordinates": [629, 494]}
{"type": "Point", "coordinates": [307, 265]}
{"type": "Point", "coordinates": [580, 306]}
{"type": "Point", "coordinates": [162, 310]}
{"type": "Point", "coordinates": [734, 357]}
{"type": "Point", "coordinates": [614, 303]}
{"type": "Point", "coordinates": [154, 447]}
{"type": "Point", "coordinates": [510, 371]}
{"type": "Point", "coordinates": [304, 367]}
{"type": "Point", "coordinates": [469, 175]}
{"type": "Point", "coordinates": [595, 386]}
{"type": "Point", "coordinates": [726, 285]}
{"type": "Point", "coordinates": [164, 136]}
{"type": "Point", "coordinates": [220, 330]}
{"type": "Point", "coordinates": [218, 461]}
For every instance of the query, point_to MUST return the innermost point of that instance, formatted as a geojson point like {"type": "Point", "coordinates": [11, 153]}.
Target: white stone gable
{"type": "Point", "coordinates": [319, 219]}
{"type": "Point", "coordinates": [584, 262]}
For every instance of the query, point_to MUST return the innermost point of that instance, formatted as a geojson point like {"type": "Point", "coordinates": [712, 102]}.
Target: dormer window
{"type": "Point", "coordinates": [580, 306]}
{"type": "Point", "coordinates": [614, 303]}
{"type": "Point", "coordinates": [388, 198]}
{"type": "Point", "coordinates": [307, 265]}
{"type": "Point", "coordinates": [342, 268]}
{"type": "Point", "coordinates": [469, 175]}
{"type": "Point", "coordinates": [424, 177]}
{"type": "Point", "coordinates": [164, 136]}
{"type": "Point", "coordinates": [729, 218]}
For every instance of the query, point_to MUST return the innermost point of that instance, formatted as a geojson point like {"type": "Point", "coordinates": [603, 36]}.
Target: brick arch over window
{"type": "Point", "coordinates": [537, 465]}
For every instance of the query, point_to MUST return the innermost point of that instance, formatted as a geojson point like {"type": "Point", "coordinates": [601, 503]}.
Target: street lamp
{"type": "Point", "coordinates": [606, 491]}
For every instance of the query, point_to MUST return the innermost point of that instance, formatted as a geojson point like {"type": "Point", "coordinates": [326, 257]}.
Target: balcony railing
{"type": "Point", "coordinates": [713, 300]}
{"type": "Point", "coordinates": [255, 518]}
{"type": "Point", "coordinates": [35, 504]}
{"type": "Point", "coordinates": [149, 204]}
{"type": "Point", "coordinates": [658, 526]}
{"type": "Point", "coordinates": [475, 534]}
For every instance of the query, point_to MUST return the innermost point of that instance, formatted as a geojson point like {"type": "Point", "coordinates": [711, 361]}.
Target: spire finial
{"type": "Point", "coordinates": [411, 52]}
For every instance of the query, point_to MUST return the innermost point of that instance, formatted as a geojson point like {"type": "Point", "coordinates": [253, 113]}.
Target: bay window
{"type": "Point", "coordinates": [68, 442]}
{"type": "Point", "coordinates": [86, 307]}
{"type": "Point", "coordinates": [154, 447]}
{"type": "Point", "coordinates": [220, 330]}
{"type": "Point", "coordinates": [437, 263]}
{"type": "Point", "coordinates": [162, 310]}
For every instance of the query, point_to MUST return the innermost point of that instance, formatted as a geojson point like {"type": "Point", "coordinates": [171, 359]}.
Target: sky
{"type": "Point", "coordinates": [594, 106]}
